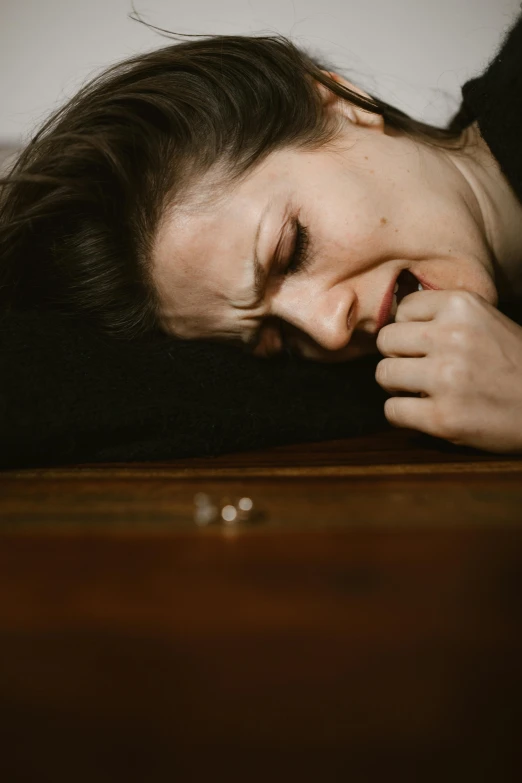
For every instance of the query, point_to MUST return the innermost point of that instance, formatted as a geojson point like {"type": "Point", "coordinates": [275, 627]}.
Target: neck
{"type": "Point", "coordinates": [499, 210]}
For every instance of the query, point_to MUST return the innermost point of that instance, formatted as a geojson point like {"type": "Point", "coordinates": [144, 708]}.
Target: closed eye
{"type": "Point", "coordinates": [300, 259]}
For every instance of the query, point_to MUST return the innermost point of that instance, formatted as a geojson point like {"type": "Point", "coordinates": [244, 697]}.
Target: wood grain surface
{"type": "Point", "coordinates": [392, 452]}
{"type": "Point", "coordinates": [362, 625]}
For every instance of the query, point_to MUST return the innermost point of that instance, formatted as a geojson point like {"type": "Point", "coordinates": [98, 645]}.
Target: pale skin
{"type": "Point", "coordinates": [373, 204]}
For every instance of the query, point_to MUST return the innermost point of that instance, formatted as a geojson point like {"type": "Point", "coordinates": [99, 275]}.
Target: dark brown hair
{"type": "Point", "coordinates": [80, 207]}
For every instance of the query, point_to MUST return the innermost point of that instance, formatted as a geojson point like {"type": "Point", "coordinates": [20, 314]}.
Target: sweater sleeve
{"type": "Point", "coordinates": [70, 395]}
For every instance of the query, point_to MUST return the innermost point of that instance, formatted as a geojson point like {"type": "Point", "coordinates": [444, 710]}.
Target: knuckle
{"type": "Point", "coordinates": [390, 410]}
{"type": "Point", "coordinates": [460, 337]}
{"type": "Point", "coordinates": [382, 339]}
{"type": "Point", "coordinates": [382, 371]}
{"type": "Point", "coordinates": [461, 301]}
{"type": "Point", "coordinates": [427, 335]}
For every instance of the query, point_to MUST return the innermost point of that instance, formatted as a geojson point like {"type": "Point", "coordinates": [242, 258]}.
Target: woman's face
{"type": "Point", "coordinates": [374, 204]}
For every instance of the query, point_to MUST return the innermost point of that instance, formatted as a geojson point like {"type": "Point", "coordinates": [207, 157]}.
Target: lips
{"type": "Point", "coordinates": [384, 312]}
{"type": "Point", "coordinates": [425, 284]}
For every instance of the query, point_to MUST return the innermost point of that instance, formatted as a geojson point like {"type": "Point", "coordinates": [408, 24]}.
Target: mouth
{"type": "Point", "coordinates": [406, 283]}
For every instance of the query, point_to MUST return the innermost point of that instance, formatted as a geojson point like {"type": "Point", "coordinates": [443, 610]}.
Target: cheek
{"type": "Point", "coordinates": [480, 281]}
{"type": "Point", "coordinates": [460, 274]}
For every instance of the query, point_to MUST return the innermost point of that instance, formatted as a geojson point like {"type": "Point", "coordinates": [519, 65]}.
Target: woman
{"type": "Point", "coordinates": [233, 189]}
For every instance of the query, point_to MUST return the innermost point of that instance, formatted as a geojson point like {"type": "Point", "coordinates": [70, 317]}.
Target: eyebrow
{"type": "Point", "coordinates": [260, 273]}
{"type": "Point", "coordinates": [260, 278]}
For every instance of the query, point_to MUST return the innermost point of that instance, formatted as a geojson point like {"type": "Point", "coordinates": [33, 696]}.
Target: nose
{"type": "Point", "coordinates": [327, 317]}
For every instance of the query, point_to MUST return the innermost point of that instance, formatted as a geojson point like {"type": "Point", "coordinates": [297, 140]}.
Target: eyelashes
{"type": "Point", "coordinates": [300, 259]}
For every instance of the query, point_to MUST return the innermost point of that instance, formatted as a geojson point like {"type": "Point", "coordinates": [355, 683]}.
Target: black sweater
{"type": "Point", "coordinates": [494, 99]}
{"type": "Point", "coordinates": [70, 395]}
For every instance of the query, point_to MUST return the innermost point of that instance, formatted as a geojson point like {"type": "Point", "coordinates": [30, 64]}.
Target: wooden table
{"type": "Point", "coordinates": [365, 624]}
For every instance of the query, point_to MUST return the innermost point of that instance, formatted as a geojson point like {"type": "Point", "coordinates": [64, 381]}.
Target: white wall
{"type": "Point", "coordinates": [413, 53]}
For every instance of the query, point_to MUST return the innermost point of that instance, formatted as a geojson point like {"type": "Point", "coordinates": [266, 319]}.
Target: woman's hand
{"type": "Point", "coordinates": [464, 357]}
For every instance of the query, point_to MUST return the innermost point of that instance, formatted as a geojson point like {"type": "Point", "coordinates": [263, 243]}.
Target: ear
{"type": "Point", "coordinates": [353, 113]}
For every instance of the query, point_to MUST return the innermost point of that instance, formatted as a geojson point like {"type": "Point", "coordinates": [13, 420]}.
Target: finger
{"type": "Point", "coordinates": [420, 306]}
{"type": "Point", "coordinates": [405, 339]}
{"type": "Point", "coordinates": [411, 412]}
{"type": "Point", "coordinates": [403, 375]}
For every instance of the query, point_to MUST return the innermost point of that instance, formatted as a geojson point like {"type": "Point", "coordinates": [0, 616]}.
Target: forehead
{"type": "Point", "coordinates": [203, 258]}
{"type": "Point", "coordinates": [202, 266]}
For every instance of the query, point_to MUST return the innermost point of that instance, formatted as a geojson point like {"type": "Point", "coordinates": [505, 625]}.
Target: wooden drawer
{"type": "Point", "coordinates": [367, 620]}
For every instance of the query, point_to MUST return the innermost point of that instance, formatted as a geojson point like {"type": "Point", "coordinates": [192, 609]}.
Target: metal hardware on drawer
{"type": "Point", "coordinates": [205, 511]}
{"type": "Point", "coordinates": [229, 513]}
